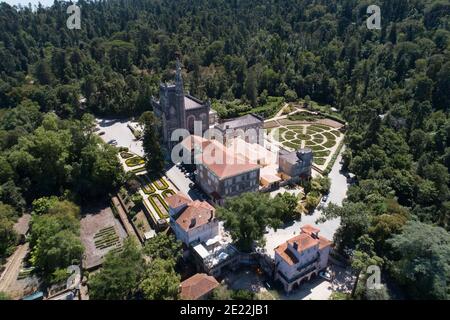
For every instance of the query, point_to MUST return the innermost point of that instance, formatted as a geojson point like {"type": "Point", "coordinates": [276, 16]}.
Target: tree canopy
{"type": "Point", "coordinates": [128, 275]}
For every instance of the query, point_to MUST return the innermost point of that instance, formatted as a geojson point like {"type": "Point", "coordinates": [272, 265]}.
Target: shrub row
{"type": "Point", "coordinates": [138, 170]}
{"type": "Point", "coordinates": [168, 193]}
{"type": "Point", "coordinates": [319, 161]}
{"type": "Point", "coordinates": [152, 201]}
{"type": "Point", "coordinates": [161, 184]}
{"type": "Point", "coordinates": [333, 159]}
{"type": "Point", "coordinates": [146, 185]}
{"type": "Point", "coordinates": [126, 155]}
{"type": "Point", "coordinates": [133, 162]}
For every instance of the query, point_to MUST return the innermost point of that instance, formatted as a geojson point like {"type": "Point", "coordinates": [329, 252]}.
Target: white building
{"type": "Point", "coordinates": [192, 221]}
{"type": "Point", "coordinates": [301, 257]}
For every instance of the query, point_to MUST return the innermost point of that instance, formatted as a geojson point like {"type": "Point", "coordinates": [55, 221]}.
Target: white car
{"type": "Point", "coordinates": [325, 275]}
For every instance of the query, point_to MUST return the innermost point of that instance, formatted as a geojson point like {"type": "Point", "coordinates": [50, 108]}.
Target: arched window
{"type": "Point", "coordinates": [190, 123]}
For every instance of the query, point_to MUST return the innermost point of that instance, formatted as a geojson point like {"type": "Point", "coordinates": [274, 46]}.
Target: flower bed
{"type": "Point", "coordinates": [329, 135]}
{"type": "Point", "coordinates": [321, 154]}
{"type": "Point", "coordinates": [146, 185]}
{"type": "Point", "coordinates": [133, 162]}
{"type": "Point", "coordinates": [167, 193]}
{"type": "Point", "coordinates": [138, 170]}
{"type": "Point", "coordinates": [319, 161]}
{"type": "Point", "coordinates": [159, 205]}
{"type": "Point", "coordinates": [329, 143]}
{"type": "Point", "coordinates": [126, 155]}
{"type": "Point", "coordinates": [105, 238]}
{"type": "Point", "coordinates": [160, 184]}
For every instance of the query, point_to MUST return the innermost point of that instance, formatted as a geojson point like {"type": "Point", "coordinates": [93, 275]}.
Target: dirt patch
{"type": "Point", "coordinates": [91, 224]}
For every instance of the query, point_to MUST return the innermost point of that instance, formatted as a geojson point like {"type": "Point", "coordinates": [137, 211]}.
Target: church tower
{"type": "Point", "coordinates": [179, 96]}
{"type": "Point", "coordinates": [178, 110]}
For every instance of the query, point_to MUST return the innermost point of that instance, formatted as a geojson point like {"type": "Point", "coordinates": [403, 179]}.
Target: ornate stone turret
{"type": "Point", "coordinates": [179, 78]}
{"type": "Point", "coordinates": [179, 93]}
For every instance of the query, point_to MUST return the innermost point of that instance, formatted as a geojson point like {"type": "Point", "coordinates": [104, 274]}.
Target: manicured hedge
{"type": "Point", "coordinates": [329, 143]}
{"type": "Point", "coordinates": [167, 193]}
{"type": "Point", "coordinates": [138, 170]}
{"type": "Point", "coordinates": [319, 161]}
{"type": "Point", "coordinates": [106, 237]}
{"type": "Point", "coordinates": [296, 128]}
{"type": "Point", "coordinates": [333, 159]}
{"type": "Point", "coordinates": [146, 185]}
{"type": "Point", "coordinates": [152, 201]}
{"type": "Point", "coordinates": [329, 135]}
{"type": "Point", "coordinates": [291, 145]}
{"type": "Point", "coordinates": [160, 184]}
{"type": "Point", "coordinates": [126, 155]}
{"type": "Point", "coordinates": [134, 162]}
{"type": "Point", "coordinates": [321, 154]}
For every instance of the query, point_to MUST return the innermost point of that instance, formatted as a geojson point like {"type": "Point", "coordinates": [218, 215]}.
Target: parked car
{"type": "Point", "coordinates": [325, 198]}
{"type": "Point", "coordinates": [101, 133]}
{"type": "Point", "coordinates": [325, 275]}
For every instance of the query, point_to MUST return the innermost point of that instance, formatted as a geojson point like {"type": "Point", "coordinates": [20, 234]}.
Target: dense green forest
{"type": "Point", "coordinates": [391, 85]}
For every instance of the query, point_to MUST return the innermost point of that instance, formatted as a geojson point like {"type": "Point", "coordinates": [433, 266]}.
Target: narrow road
{"type": "Point", "coordinates": [338, 192]}
{"type": "Point", "coordinates": [12, 269]}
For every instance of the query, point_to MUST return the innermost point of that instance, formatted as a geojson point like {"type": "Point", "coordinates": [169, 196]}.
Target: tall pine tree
{"type": "Point", "coordinates": [154, 160]}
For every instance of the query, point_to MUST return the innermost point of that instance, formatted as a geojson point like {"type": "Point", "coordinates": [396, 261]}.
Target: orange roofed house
{"type": "Point", "coordinates": [222, 174]}
{"type": "Point", "coordinates": [301, 257]}
{"type": "Point", "coordinates": [198, 287]}
{"type": "Point", "coordinates": [192, 221]}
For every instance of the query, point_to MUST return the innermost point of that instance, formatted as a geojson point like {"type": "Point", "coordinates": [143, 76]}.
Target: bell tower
{"type": "Point", "coordinates": [179, 97]}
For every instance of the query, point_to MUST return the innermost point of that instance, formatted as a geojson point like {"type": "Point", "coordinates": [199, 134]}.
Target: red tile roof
{"type": "Point", "coordinates": [177, 200]}
{"type": "Point", "coordinates": [223, 163]}
{"type": "Point", "coordinates": [307, 228]}
{"type": "Point", "coordinates": [196, 214]}
{"type": "Point", "coordinates": [324, 242]}
{"type": "Point", "coordinates": [197, 286]}
{"type": "Point", "coordinates": [304, 241]}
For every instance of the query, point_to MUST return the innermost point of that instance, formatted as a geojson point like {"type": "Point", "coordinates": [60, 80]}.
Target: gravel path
{"type": "Point", "coordinates": [12, 268]}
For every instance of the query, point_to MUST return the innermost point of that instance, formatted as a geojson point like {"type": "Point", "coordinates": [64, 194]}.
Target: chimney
{"type": "Point", "coordinates": [295, 245]}
{"type": "Point", "coordinates": [193, 221]}
{"type": "Point", "coordinates": [212, 215]}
